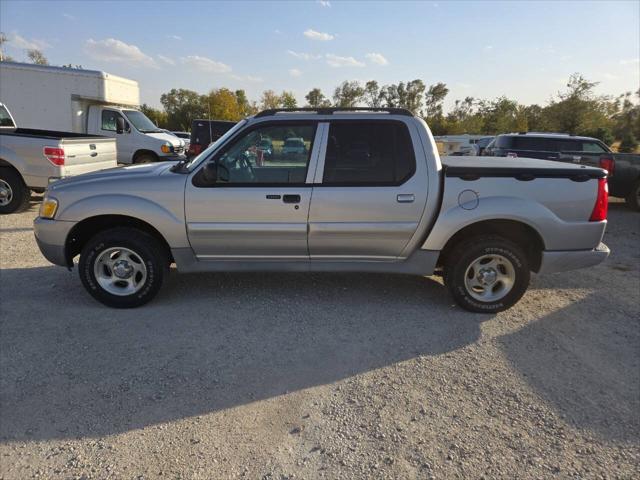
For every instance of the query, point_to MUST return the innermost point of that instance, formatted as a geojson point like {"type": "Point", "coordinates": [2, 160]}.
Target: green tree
{"type": "Point", "coordinates": [288, 100]}
{"type": "Point", "coordinates": [577, 109]}
{"type": "Point", "coordinates": [157, 116]}
{"type": "Point", "coordinates": [37, 57]}
{"type": "Point", "coordinates": [316, 99]}
{"type": "Point", "coordinates": [182, 107]}
{"type": "Point", "coordinates": [629, 144]}
{"type": "Point", "coordinates": [434, 98]}
{"type": "Point", "coordinates": [222, 104]}
{"type": "Point", "coordinates": [372, 97]}
{"type": "Point", "coordinates": [434, 113]}
{"type": "Point", "coordinates": [270, 99]}
{"type": "Point", "coordinates": [410, 95]}
{"type": "Point", "coordinates": [601, 133]}
{"type": "Point", "coordinates": [348, 94]}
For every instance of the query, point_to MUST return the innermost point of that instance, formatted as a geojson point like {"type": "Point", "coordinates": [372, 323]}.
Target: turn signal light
{"type": "Point", "coordinates": [55, 155]}
{"type": "Point", "coordinates": [48, 207]}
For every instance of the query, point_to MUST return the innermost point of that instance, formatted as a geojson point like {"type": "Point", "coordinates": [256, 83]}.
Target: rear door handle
{"type": "Point", "coordinates": [291, 198]}
{"type": "Point", "coordinates": [405, 198]}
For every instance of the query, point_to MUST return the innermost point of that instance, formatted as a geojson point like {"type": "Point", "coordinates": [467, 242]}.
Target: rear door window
{"type": "Point", "coordinates": [534, 144]}
{"type": "Point", "coordinates": [592, 147]}
{"type": "Point", "coordinates": [368, 153]}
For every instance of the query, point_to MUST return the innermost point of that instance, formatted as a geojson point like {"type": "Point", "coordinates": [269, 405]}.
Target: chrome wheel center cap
{"type": "Point", "coordinates": [4, 192]}
{"type": "Point", "coordinates": [122, 269]}
{"type": "Point", "coordinates": [487, 276]}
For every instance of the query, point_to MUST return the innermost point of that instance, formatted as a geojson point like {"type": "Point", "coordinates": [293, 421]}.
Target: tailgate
{"type": "Point", "coordinates": [87, 155]}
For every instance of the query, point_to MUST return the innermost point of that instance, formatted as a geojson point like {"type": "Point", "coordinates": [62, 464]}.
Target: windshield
{"type": "Point", "coordinates": [206, 152]}
{"type": "Point", "coordinates": [141, 122]}
{"type": "Point", "coordinates": [5, 118]}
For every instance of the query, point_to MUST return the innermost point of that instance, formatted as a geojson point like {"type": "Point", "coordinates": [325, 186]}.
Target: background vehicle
{"type": "Point", "coordinates": [186, 138]}
{"type": "Point", "coordinates": [481, 144]}
{"type": "Point", "coordinates": [85, 101]}
{"type": "Point", "coordinates": [294, 146]}
{"type": "Point", "coordinates": [30, 159]}
{"type": "Point", "coordinates": [205, 132]}
{"type": "Point", "coordinates": [624, 169]}
{"type": "Point", "coordinates": [457, 144]}
{"type": "Point", "coordinates": [485, 223]}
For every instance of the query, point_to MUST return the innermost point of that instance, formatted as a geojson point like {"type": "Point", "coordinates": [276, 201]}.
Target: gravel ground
{"type": "Point", "coordinates": [278, 376]}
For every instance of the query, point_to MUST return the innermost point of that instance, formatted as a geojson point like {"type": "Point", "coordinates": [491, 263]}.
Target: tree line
{"type": "Point", "coordinates": [576, 110]}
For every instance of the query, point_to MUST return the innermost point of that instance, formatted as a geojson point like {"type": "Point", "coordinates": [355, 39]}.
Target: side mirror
{"type": "Point", "coordinates": [119, 125]}
{"type": "Point", "coordinates": [210, 172]}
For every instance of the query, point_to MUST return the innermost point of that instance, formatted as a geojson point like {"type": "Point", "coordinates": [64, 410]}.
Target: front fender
{"type": "Point", "coordinates": [556, 233]}
{"type": "Point", "coordinates": [170, 223]}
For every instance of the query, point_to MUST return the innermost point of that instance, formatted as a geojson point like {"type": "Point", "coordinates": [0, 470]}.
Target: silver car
{"type": "Point", "coordinates": [370, 194]}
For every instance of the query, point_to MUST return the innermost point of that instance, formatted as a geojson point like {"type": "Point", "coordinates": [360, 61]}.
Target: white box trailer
{"type": "Point", "coordinates": [85, 101]}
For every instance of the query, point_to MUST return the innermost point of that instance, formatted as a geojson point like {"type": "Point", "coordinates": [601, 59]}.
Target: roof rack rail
{"type": "Point", "coordinates": [332, 110]}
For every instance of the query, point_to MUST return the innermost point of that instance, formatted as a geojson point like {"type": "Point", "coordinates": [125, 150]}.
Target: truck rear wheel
{"type": "Point", "coordinates": [123, 267]}
{"type": "Point", "coordinates": [14, 194]}
{"type": "Point", "coordinates": [633, 199]}
{"type": "Point", "coordinates": [486, 274]}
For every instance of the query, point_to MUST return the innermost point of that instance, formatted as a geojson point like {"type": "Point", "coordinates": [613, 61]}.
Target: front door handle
{"type": "Point", "coordinates": [291, 198]}
{"type": "Point", "coordinates": [405, 198]}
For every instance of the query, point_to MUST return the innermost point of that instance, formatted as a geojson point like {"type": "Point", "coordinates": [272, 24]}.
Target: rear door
{"type": "Point", "coordinates": [259, 205]}
{"type": "Point", "coordinates": [367, 197]}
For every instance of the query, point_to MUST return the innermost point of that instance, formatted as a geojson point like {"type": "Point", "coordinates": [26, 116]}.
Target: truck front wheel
{"type": "Point", "coordinates": [486, 274]}
{"type": "Point", "coordinates": [123, 267]}
{"type": "Point", "coordinates": [14, 194]}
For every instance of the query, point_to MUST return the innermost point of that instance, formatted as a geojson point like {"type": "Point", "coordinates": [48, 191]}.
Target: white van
{"type": "Point", "coordinates": [85, 101]}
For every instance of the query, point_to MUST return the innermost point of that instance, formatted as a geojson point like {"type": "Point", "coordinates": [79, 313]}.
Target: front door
{"type": "Point", "coordinates": [257, 208]}
{"type": "Point", "coordinates": [368, 197]}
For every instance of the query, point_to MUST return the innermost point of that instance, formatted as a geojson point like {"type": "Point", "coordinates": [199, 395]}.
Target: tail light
{"type": "Point", "coordinates": [55, 155]}
{"type": "Point", "coordinates": [608, 163]}
{"type": "Point", "coordinates": [599, 212]}
{"type": "Point", "coordinates": [512, 154]}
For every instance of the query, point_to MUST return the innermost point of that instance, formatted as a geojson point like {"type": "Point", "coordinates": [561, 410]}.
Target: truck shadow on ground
{"type": "Point", "coordinates": [73, 368]}
{"type": "Point", "coordinates": [584, 365]}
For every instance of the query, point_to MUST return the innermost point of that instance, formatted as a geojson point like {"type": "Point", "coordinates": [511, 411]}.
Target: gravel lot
{"type": "Point", "coordinates": [319, 376]}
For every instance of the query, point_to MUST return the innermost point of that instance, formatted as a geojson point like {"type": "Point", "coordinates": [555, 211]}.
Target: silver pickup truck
{"type": "Point", "coordinates": [367, 193]}
{"type": "Point", "coordinates": [30, 159]}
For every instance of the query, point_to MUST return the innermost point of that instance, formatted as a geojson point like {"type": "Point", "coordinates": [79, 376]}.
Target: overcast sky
{"type": "Point", "coordinates": [524, 50]}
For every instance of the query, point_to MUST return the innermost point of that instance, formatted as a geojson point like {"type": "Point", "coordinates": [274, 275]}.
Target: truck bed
{"type": "Point", "coordinates": [50, 134]}
{"type": "Point", "coordinates": [469, 168]}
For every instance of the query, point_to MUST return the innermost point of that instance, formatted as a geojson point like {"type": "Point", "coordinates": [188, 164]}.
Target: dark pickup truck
{"type": "Point", "coordinates": [623, 168]}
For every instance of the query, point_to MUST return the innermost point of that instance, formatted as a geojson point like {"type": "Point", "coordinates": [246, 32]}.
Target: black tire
{"type": "Point", "coordinates": [147, 249]}
{"type": "Point", "coordinates": [145, 158]}
{"type": "Point", "coordinates": [14, 192]}
{"type": "Point", "coordinates": [633, 199]}
{"type": "Point", "coordinates": [459, 264]}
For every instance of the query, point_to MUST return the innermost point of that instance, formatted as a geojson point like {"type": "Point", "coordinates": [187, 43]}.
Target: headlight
{"type": "Point", "coordinates": [166, 148]}
{"type": "Point", "coordinates": [48, 207]}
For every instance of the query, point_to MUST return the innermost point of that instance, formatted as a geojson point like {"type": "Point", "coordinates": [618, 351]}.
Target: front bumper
{"type": "Point", "coordinates": [563, 260]}
{"type": "Point", "coordinates": [51, 236]}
